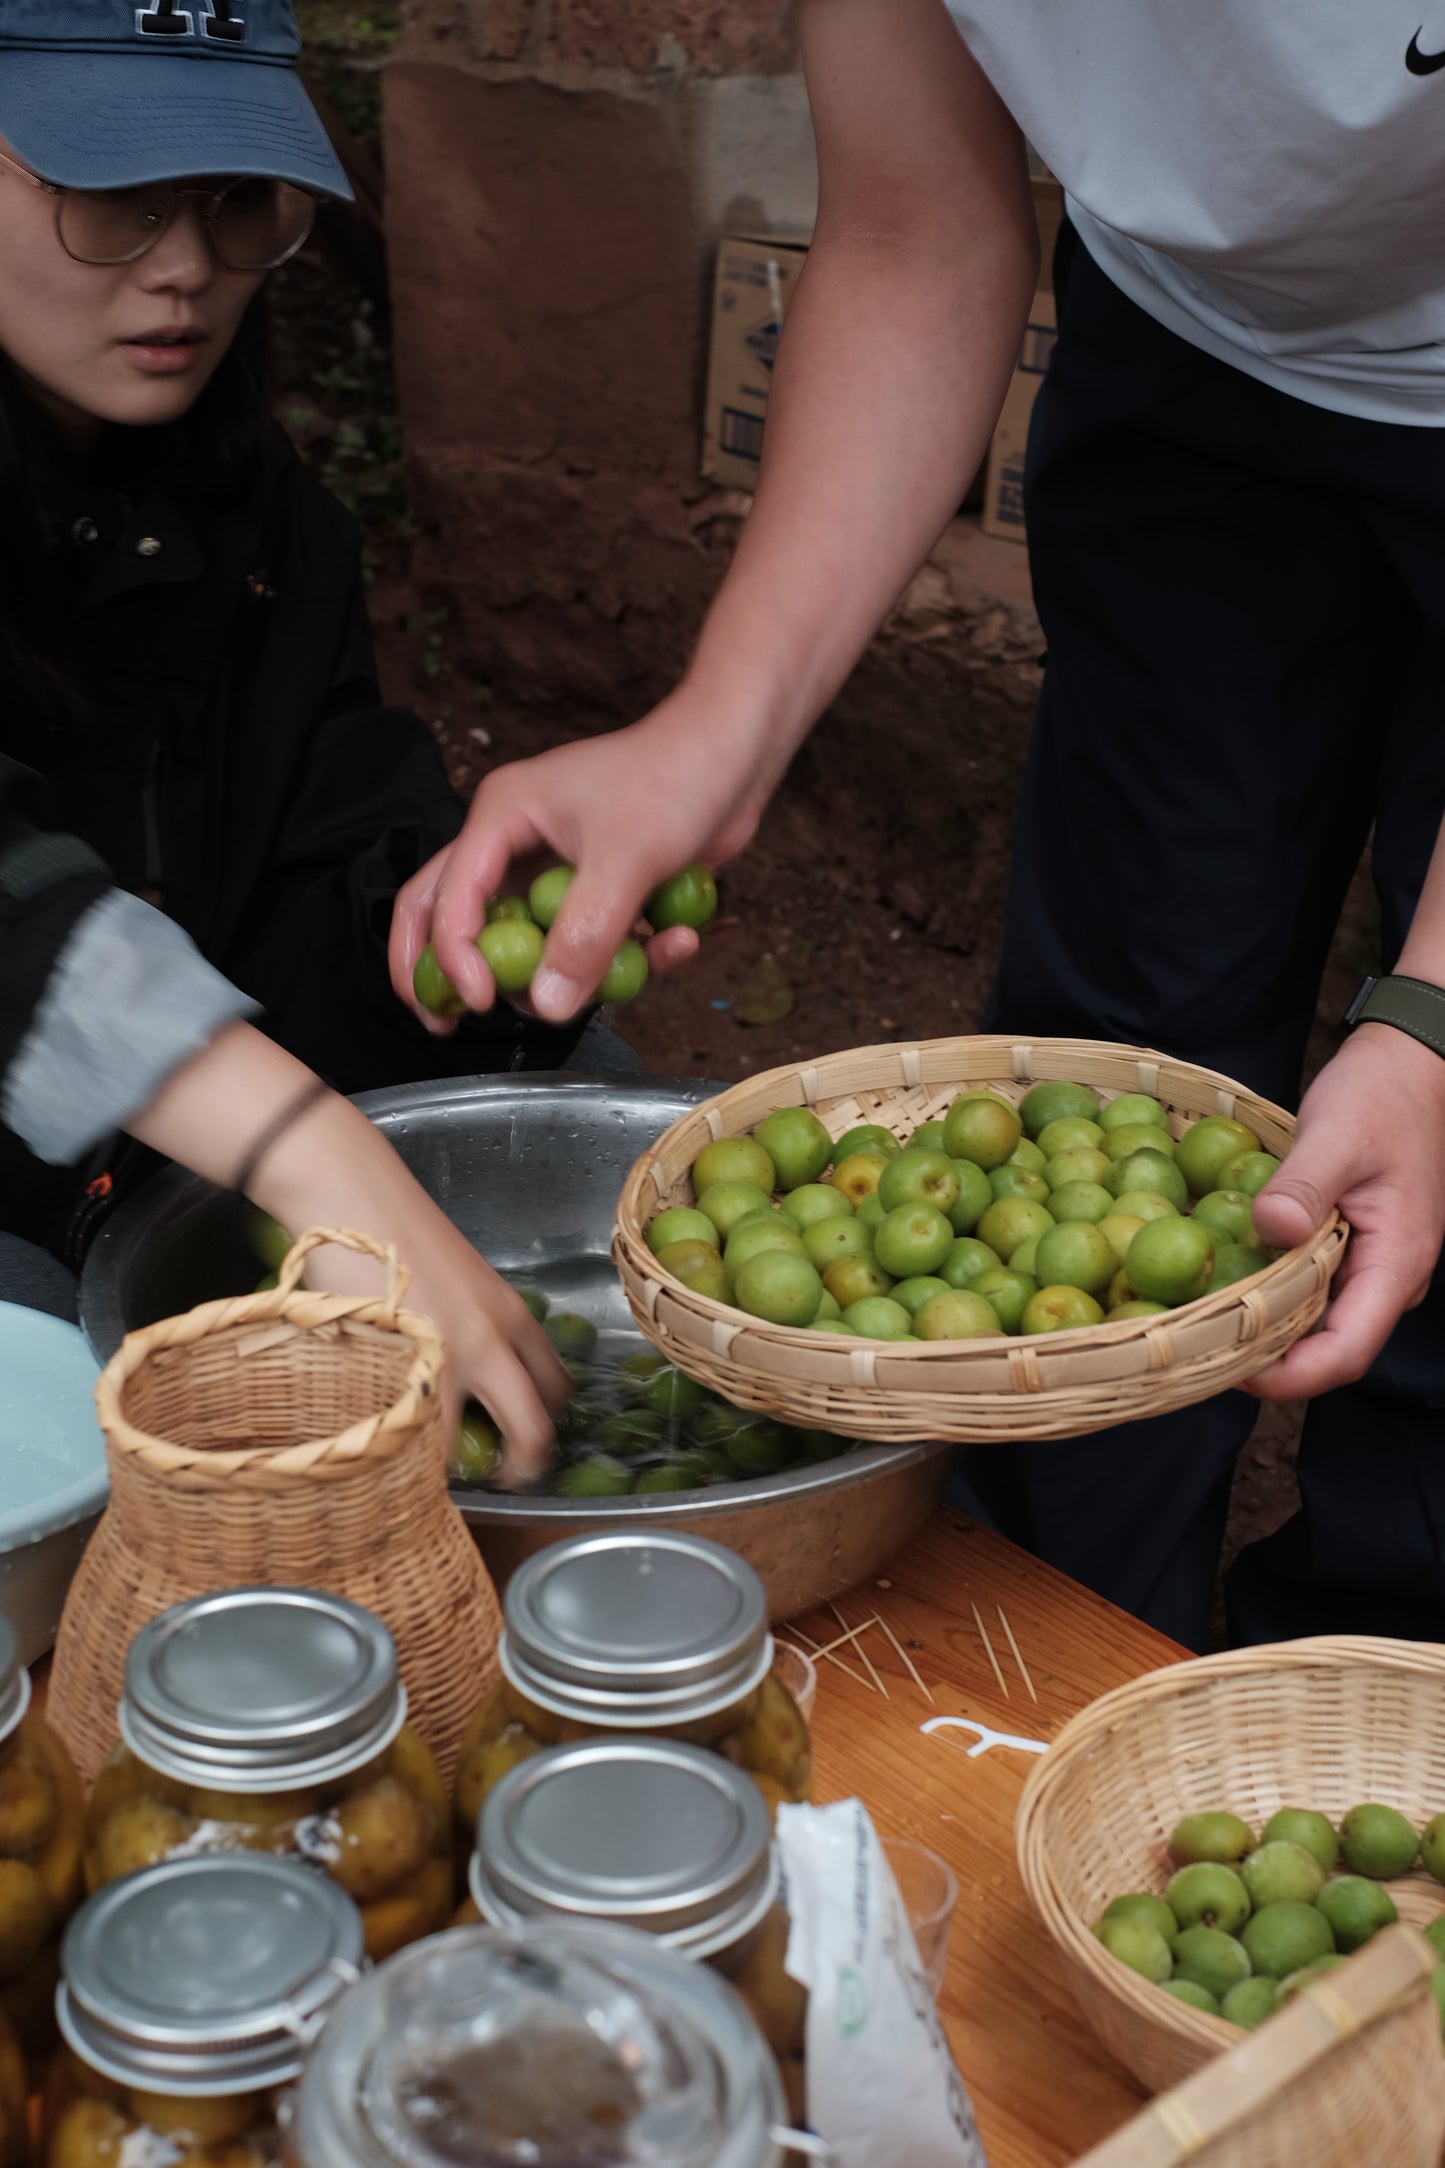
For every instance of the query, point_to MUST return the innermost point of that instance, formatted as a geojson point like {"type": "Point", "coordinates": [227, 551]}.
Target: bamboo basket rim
{"type": "Point", "coordinates": [1095, 1726]}
{"type": "Point", "coordinates": [286, 1311]}
{"type": "Point", "coordinates": [1154, 1360]}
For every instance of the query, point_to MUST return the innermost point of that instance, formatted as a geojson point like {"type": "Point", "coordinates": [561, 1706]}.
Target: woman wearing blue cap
{"type": "Point", "coordinates": [204, 808]}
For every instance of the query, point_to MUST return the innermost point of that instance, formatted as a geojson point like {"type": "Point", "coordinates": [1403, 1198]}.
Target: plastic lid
{"type": "Point", "coordinates": [549, 2046]}
{"type": "Point", "coordinates": [261, 1689]}
{"type": "Point", "coordinates": [14, 1680]}
{"type": "Point", "coordinates": [645, 1833]}
{"type": "Point", "coordinates": [206, 1975]}
{"type": "Point", "coordinates": [636, 1630]}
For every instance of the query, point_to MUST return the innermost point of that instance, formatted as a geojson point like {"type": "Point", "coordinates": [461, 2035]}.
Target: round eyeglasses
{"type": "Point", "coordinates": [250, 223]}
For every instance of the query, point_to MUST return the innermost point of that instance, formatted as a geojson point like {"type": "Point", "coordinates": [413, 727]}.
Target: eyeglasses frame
{"type": "Point", "coordinates": [211, 196]}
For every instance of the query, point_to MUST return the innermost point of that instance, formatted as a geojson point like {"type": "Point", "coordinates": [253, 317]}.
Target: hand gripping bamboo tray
{"type": "Point", "coordinates": [1001, 1390]}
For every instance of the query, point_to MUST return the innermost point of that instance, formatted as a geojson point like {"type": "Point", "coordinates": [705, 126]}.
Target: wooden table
{"type": "Point", "coordinates": [1043, 2088]}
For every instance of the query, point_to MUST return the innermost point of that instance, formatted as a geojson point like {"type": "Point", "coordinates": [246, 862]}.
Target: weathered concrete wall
{"type": "Point", "coordinates": [559, 172]}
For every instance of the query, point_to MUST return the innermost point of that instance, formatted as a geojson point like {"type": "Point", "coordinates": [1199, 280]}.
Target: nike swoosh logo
{"type": "Point", "coordinates": [1420, 63]}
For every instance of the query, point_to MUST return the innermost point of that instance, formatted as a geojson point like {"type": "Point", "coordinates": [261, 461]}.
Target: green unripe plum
{"type": "Point", "coordinates": [917, 1177]}
{"type": "Point", "coordinates": [1212, 1959]}
{"type": "Point", "coordinates": [815, 1201]}
{"type": "Point", "coordinates": [688, 898]}
{"type": "Point", "coordinates": [728, 1202]}
{"type": "Point", "coordinates": [672, 1395]}
{"type": "Point", "coordinates": [1208, 1894]}
{"type": "Point", "coordinates": [1249, 1171]}
{"type": "Point", "coordinates": [1302, 1826]}
{"type": "Point", "coordinates": [1061, 1309]}
{"type": "Point", "coordinates": [780, 1287]}
{"type": "Point", "coordinates": [667, 1476]}
{"type": "Point", "coordinates": [829, 1239]}
{"type": "Point", "coordinates": [914, 1292]}
{"type": "Point", "coordinates": [1356, 1908]}
{"type": "Point", "coordinates": [755, 1238]}
{"type": "Point", "coordinates": [1143, 1949]}
{"type": "Point", "coordinates": [958, 1315]}
{"type": "Point", "coordinates": [1188, 1991]}
{"type": "Point", "coordinates": [688, 1256]}
{"type": "Point", "coordinates": [760, 1448]}
{"type": "Point", "coordinates": [1131, 1137]}
{"type": "Point", "coordinates": [1144, 1204]}
{"type": "Point", "coordinates": [433, 989]}
{"type": "Point", "coordinates": [1075, 1254]}
{"type": "Point", "coordinates": [1284, 1937]}
{"type": "Point", "coordinates": [571, 1335]}
{"type": "Point", "coordinates": [710, 1279]}
{"type": "Point", "coordinates": [1432, 1847]}
{"type": "Point", "coordinates": [1220, 1837]}
{"type": "Point", "coordinates": [1233, 1263]}
{"type": "Point", "coordinates": [1081, 1163]}
{"type": "Point", "coordinates": [857, 1175]}
{"type": "Point", "coordinates": [1144, 1905]}
{"type": "Point", "coordinates": [870, 1213]}
{"type": "Point", "coordinates": [1082, 1201]}
{"type": "Point", "coordinates": [871, 1137]}
{"type": "Point", "coordinates": [913, 1239]}
{"type": "Point", "coordinates": [478, 1448]}
{"type": "Point", "coordinates": [535, 1300]}
{"type": "Point", "coordinates": [733, 1159]}
{"type": "Point", "coordinates": [635, 1430]}
{"type": "Point", "coordinates": [1025, 1257]}
{"type": "Point", "coordinates": [966, 1260]}
{"type": "Point", "coordinates": [1229, 1218]}
{"type": "Point", "coordinates": [1148, 1170]}
{"type": "Point", "coordinates": [1170, 1260]}
{"type": "Point", "coordinates": [984, 1129]}
{"type": "Point", "coordinates": [1119, 1229]}
{"type": "Point", "coordinates": [1136, 1306]}
{"type": "Point", "coordinates": [1280, 1870]}
{"type": "Point", "coordinates": [1011, 1180]}
{"type": "Point", "coordinates": [1025, 1154]}
{"type": "Point", "coordinates": [544, 897]}
{"type": "Point", "coordinates": [1251, 2001]}
{"type": "Point", "coordinates": [1129, 1109]}
{"type": "Point", "coordinates": [1010, 1293]}
{"type": "Point", "coordinates": [879, 1317]}
{"type": "Point", "coordinates": [797, 1144]}
{"type": "Point", "coordinates": [974, 1197]}
{"type": "Point", "coordinates": [598, 1476]}
{"type": "Point", "coordinates": [1056, 1101]}
{"type": "Point", "coordinates": [680, 1223]}
{"type": "Point", "coordinates": [849, 1279]}
{"type": "Point", "coordinates": [512, 949]}
{"type": "Point", "coordinates": [1207, 1147]}
{"type": "Point", "coordinates": [1072, 1133]}
{"type": "Point", "coordinates": [501, 907]}
{"type": "Point", "coordinates": [625, 976]}
{"type": "Point", "coordinates": [1378, 1841]}
{"type": "Point", "coordinates": [1010, 1221]}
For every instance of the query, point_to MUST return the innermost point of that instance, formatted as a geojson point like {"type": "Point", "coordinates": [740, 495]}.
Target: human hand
{"type": "Point", "coordinates": [627, 810]}
{"type": "Point", "coordinates": [1371, 1140]}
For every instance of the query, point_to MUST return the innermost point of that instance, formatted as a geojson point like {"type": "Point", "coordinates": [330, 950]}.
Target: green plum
{"type": "Point", "coordinates": [797, 1144]}
{"type": "Point", "coordinates": [1378, 1841]}
{"type": "Point", "coordinates": [1356, 1908]}
{"type": "Point", "coordinates": [1283, 1937]}
{"type": "Point", "coordinates": [1056, 1100]}
{"type": "Point", "coordinates": [1301, 1825]}
{"type": "Point", "coordinates": [1208, 1146]}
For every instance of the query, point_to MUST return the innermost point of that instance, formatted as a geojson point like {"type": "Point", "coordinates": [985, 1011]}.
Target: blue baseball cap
{"type": "Point", "coordinates": [109, 93]}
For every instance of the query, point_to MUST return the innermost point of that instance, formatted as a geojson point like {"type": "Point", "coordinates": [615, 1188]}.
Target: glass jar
{"type": "Point", "coordinates": [657, 1836]}
{"type": "Point", "coordinates": [273, 1720]}
{"type": "Point", "coordinates": [42, 1819]}
{"type": "Point", "coordinates": [558, 2044]}
{"type": "Point", "coordinates": [189, 1992]}
{"type": "Point", "coordinates": [661, 1634]}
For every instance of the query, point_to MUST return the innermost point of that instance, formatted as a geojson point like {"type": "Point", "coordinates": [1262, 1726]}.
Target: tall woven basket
{"type": "Point", "coordinates": [289, 1438]}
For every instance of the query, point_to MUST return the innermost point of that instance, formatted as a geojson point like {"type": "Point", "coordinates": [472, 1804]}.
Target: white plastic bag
{"type": "Point", "coordinates": [883, 2087]}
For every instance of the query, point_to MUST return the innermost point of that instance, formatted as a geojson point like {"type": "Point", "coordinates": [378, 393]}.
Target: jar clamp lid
{"type": "Point", "coordinates": [556, 2042]}
{"type": "Point", "coordinates": [208, 1975]}
{"type": "Point", "coordinates": [261, 1690]}
{"type": "Point", "coordinates": [643, 1833]}
{"type": "Point", "coordinates": [14, 1680]}
{"type": "Point", "coordinates": [636, 1630]}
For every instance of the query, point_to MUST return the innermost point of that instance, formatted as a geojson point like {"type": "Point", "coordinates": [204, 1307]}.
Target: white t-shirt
{"type": "Point", "coordinates": [1266, 177]}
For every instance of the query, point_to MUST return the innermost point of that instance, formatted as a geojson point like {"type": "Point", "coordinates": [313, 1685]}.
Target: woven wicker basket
{"type": "Point", "coordinates": [289, 1438]}
{"type": "Point", "coordinates": [1349, 2072]}
{"type": "Point", "coordinates": [1004, 1390]}
{"type": "Point", "coordinates": [1325, 1723]}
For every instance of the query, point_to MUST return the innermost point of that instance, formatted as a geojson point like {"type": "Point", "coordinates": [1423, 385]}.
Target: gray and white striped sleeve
{"type": "Point", "coordinates": [129, 999]}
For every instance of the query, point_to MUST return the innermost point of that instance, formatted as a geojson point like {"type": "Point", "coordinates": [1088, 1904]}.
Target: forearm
{"type": "Point", "coordinates": [1423, 955]}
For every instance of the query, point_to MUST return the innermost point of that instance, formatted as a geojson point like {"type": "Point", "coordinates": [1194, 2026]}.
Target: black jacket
{"type": "Point", "coordinates": [233, 763]}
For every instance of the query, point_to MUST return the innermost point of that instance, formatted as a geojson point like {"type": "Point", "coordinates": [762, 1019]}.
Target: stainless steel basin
{"type": "Point", "coordinates": [530, 1170]}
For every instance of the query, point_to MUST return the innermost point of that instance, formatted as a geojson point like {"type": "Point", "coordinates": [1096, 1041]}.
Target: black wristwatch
{"type": "Point", "coordinates": [1411, 1005]}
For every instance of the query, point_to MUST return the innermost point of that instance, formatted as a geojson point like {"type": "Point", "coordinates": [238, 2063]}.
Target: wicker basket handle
{"type": "Point", "coordinates": [398, 1279]}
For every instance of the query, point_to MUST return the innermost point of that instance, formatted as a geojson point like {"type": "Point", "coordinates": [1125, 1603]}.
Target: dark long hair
{"type": "Point", "coordinates": [215, 451]}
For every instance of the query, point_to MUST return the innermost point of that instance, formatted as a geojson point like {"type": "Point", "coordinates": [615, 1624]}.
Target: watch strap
{"type": "Point", "coordinates": [1411, 1005]}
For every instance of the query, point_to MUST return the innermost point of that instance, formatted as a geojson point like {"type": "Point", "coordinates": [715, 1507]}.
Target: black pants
{"type": "Point", "coordinates": [1243, 599]}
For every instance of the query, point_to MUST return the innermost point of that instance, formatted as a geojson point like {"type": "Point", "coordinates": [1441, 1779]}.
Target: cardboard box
{"type": "Point", "coordinates": [756, 275]}
{"type": "Point", "coordinates": [1003, 493]}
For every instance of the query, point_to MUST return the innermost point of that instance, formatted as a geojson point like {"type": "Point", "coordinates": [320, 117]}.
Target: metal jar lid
{"type": "Point", "coordinates": [261, 1690]}
{"type": "Point", "coordinates": [644, 1833]}
{"type": "Point", "coordinates": [636, 1630]}
{"type": "Point", "coordinates": [550, 2044]}
{"type": "Point", "coordinates": [208, 1975]}
{"type": "Point", "coordinates": [14, 1680]}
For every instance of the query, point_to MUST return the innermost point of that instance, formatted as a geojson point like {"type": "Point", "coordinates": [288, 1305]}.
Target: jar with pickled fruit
{"type": "Point", "coordinates": [42, 1819]}
{"type": "Point", "coordinates": [272, 1720]}
{"type": "Point", "coordinates": [188, 1994]}
{"type": "Point", "coordinates": [660, 1634]}
{"type": "Point", "coordinates": [660, 1837]}
{"type": "Point", "coordinates": [558, 2042]}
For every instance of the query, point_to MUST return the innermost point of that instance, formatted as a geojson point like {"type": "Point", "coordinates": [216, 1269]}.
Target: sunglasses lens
{"type": "Point", "coordinates": [259, 223]}
{"type": "Point", "coordinates": [112, 225]}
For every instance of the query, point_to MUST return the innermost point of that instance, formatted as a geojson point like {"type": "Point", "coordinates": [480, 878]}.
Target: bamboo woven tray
{"type": "Point", "coordinates": [1003, 1390]}
{"type": "Point", "coordinates": [1350, 2071]}
{"type": "Point", "coordinates": [1325, 1723]}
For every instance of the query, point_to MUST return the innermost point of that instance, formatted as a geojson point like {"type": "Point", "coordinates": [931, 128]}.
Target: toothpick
{"type": "Point", "coordinates": [908, 1660]}
{"type": "Point", "coordinates": [983, 1632]}
{"type": "Point", "coordinates": [831, 1645]}
{"type": "Point", "coordinates": [863, 1653]}
{"type": "Point", "coordinates": [1018, 1654]}
{"type": "Point", "coordinates": [814, 1650]}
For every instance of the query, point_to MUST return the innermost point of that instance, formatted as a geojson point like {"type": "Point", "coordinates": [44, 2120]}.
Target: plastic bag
{"type": "Point", "coordinates": [882, 2084]}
